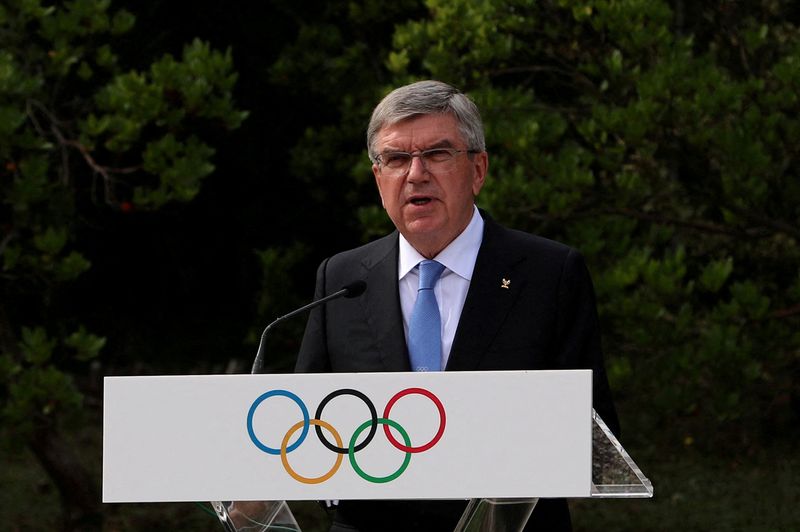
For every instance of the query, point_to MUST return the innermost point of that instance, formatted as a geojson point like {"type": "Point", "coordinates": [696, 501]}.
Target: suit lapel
{"type": "Point", "coordinates": [382, 301]}
{"type": "Point", "coordinates": [488, 301]}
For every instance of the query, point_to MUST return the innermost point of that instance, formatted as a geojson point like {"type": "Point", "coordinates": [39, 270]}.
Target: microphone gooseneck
{"type": "Point", "coordinates": [351, 290]}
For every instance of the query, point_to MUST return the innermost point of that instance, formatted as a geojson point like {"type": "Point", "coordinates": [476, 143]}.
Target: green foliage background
{"type": "Point", "coordinates": [81, 135]}
{"type": "Point", "coordinates": [79, 132]}
{"type": "Point", "coordinates": [660, 139]}
{"type": "Point", "coordinates": [146, 226]}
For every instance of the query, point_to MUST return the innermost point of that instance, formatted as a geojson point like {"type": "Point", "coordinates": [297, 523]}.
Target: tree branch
{"type": "Point", "coordinates": [777, 225]}
{"type": "Point", "coordinates": [705, 227]}
{"type": "Point", "coordinates": [6, 239]}
{"type": "Point", "coordinates": [786, 312]}
{"type": "Point", "coordinates": [104, 171]}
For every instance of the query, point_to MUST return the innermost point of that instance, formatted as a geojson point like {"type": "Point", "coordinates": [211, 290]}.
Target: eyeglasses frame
{"type": "Point", "coordinates": [421, 154]}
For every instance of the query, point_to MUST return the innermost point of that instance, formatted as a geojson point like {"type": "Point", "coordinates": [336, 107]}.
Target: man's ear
{"type": "Point", "coordinates": [376, 173]}
{"type": "Point", "coordinates": [480, 166]}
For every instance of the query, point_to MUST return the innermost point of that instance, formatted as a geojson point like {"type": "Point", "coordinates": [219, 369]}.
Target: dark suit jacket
{"type": "Point", "coordinates": [546, 319]}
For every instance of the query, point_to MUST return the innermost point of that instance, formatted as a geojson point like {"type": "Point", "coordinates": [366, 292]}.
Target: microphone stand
{"type": "Point", "coordinates": [354, 289]}
{"type": "Point", "coordinates": [270, 509]}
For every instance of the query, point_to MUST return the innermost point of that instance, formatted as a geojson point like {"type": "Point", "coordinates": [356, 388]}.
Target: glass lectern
{"type": "Point", "coordinates": [614, 475]}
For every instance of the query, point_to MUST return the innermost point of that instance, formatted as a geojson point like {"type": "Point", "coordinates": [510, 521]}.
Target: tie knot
{"type": "Point", "coordinates": [429, 273]}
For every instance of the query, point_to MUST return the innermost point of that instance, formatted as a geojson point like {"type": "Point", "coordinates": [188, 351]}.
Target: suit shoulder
{"type": "Point", "coordinates": [530, 244]}
{"type": "Point", "coordinates": [368, 253]}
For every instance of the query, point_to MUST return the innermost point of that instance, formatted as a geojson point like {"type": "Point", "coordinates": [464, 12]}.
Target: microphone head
{"type": "Point", "coordinates": [355, 289]}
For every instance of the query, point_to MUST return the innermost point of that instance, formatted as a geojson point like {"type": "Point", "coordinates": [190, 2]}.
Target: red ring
{"type": "Point", "coordinates": [436, 438]}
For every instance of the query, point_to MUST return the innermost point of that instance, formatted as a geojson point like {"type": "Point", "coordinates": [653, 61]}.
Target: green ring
{"type": "Point", "coordinates": [352, 454]}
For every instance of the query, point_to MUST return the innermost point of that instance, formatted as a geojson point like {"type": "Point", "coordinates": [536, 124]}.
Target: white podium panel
{"type": "Point", "coordinates": [438, 435]}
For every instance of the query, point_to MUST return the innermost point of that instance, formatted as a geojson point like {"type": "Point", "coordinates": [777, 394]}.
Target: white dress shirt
{"type": "Point", "coordinates": [458, 259]}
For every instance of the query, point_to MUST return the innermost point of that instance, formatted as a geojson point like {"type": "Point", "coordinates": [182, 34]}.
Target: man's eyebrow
{"type": "Point", "coordinates": [444, 143]}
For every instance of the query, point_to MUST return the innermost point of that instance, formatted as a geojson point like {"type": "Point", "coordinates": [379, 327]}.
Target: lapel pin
{"type": "Point", "coordinates": [505, 284]}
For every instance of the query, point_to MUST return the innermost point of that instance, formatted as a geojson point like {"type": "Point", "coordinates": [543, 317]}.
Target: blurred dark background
{"type": "Point", "coordinates": [660, 138]}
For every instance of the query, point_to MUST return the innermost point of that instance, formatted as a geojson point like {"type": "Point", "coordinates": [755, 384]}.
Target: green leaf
{"type": "Point", "coordinates": [715, 274]}
{"type": "Point", "coordinates": [8, 368]}
{"type": "Point", "coordinates": [615, 62]}
{"type": "Point", "coordinates": [34, 167]}
{"type": "Point", "coordinates": [71, 266]}
{"type": "Point", "coordinates": [85, 71]}
{"type": "Point", "coordinates": [105, 57]}
{"type": "Point", "coordinates": [52, 241]}
{"type": "Point", "coordinates": [86, 345]}
{"type": "Point", "coordinates": [122, 22]}
{"type": "Point", "coordinates": [10, 120]}
{"type": "Point", "coordinates": [11, 256]}
{"type": "Point", "coordinates": [35, 346]}
{"type": "Point", "coordinates": [37, 393]}
{"type": "Point", "coordinates": [620, 371]}
{"type": "Point", "coordinates": [397, 61]}
{"type": "Point", "coordinates": [750, 299]}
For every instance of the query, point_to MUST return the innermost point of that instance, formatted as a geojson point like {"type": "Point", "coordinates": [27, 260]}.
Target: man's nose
{"type": "Point", "coordinates": [417, 170]}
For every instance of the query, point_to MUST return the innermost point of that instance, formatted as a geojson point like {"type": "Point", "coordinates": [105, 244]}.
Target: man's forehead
{"type": "Point", "coordinates": [430, 130]}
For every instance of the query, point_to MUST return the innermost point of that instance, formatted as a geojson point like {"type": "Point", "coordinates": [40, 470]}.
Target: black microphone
{"type": "Point", "coordinates": [354, 289]}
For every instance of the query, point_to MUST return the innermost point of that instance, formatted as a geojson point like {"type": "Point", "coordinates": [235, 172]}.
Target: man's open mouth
{"type": "Point", "coordinates": [420, 201]}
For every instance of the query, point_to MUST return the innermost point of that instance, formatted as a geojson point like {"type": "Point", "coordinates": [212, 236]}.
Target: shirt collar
{"type": "Point", "coordinates": [459, 256]}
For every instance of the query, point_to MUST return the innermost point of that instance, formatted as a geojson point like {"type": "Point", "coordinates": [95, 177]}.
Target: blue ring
{"type": "Point", "coordinates": [267, 395]}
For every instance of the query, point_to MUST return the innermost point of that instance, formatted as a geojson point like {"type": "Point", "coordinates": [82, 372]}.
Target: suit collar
{"type": "Point", "coordinates": [382, 301]}
{"type": "Point", "coordinates": [489, 299]}
{"type": "Point", "coordinates": [485, 310]}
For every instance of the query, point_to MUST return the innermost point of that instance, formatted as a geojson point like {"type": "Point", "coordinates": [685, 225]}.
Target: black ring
{"type": "Point", "coordinates": [373, 428]}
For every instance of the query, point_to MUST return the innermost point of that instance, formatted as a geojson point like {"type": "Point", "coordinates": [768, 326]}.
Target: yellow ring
{"type": "Point", "coordinates": [285, 459]}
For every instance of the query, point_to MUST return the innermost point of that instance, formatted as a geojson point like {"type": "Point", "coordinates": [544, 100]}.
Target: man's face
{"type": "Point", "coordinates": [429, 209]}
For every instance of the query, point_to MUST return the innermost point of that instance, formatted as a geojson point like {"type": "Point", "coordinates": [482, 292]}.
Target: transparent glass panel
{"type": "Point", "coordinates": [255, 516]}
{"type": "Point", "coordinates": [614, 473]}
{"type": "Point", "coordinates": [491, 515]}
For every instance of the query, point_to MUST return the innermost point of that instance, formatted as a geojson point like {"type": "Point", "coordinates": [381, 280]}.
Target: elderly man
{"type": "Point", "coordinates": [490, 298]}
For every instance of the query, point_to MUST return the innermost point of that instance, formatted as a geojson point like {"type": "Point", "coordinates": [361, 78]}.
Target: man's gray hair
{"type": "Point", "coordinates": [427, 98]}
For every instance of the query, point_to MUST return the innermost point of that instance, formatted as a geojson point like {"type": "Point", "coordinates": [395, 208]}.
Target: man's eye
{"type": "Point", "coordinates": [395, 160]}
{"type": "Point", "coordinates": [438, 155]}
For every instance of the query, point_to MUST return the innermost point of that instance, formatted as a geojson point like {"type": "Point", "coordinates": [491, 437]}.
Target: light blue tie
{"type": "Point", "coordinates": [425, 327]}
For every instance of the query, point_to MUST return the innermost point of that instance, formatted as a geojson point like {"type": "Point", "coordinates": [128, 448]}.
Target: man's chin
{"type": "Point", "coordinates": [425, 227]}
{"type": "Point", "coordinates": [427, 237]}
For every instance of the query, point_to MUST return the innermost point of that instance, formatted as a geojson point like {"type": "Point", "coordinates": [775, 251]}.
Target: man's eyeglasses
{"type": "Point", "coordinates": [398, 163]}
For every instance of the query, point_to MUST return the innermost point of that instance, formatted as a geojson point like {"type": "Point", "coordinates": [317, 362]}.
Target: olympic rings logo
{"type": "Point", "coordinates": [351, 449]}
